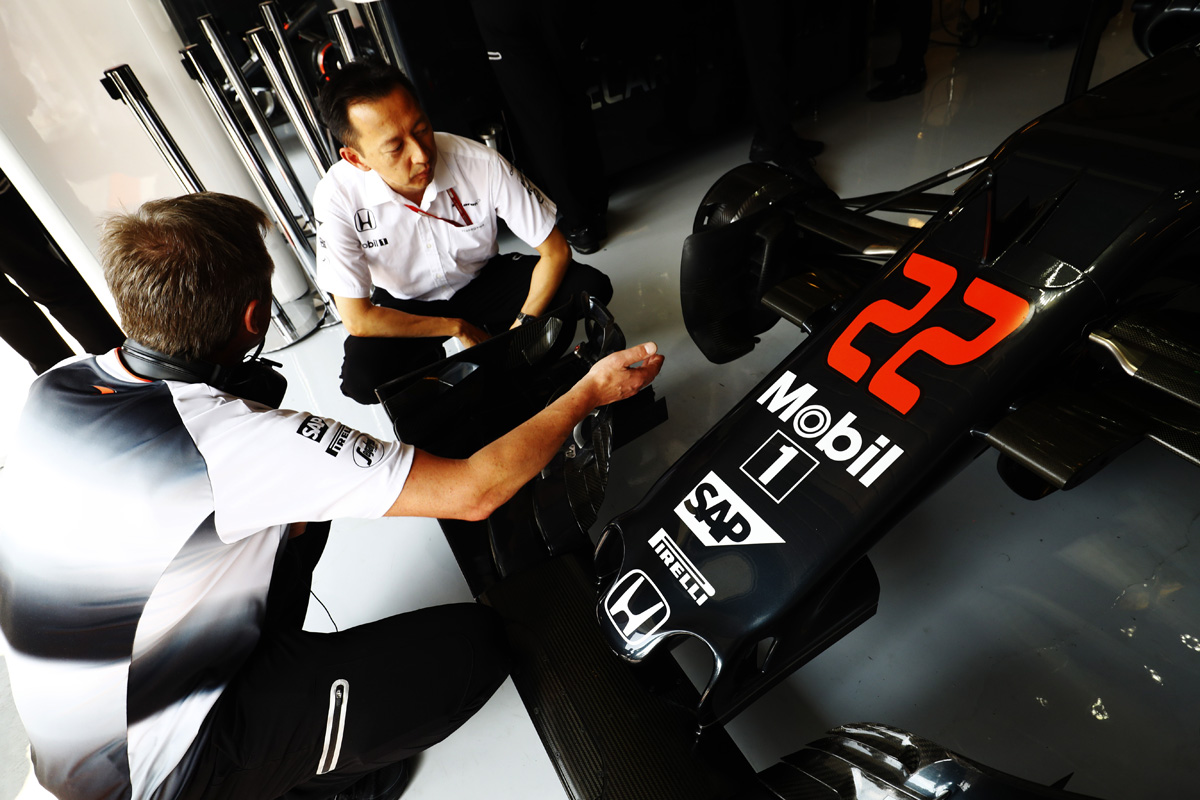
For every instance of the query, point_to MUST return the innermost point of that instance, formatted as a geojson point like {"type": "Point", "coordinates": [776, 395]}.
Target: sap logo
{"type": "Point", "coordinates": [636, 607]}
{"type": "Point", "coordinates": [719, 517]}
{"type": "Point", "coordinates": [839, 441]}
{"type": "Point", "coordinates": [366, 451]}
{"type": "Point", "coordinates": [689, 576]}
{"type": "Point", "coordinates": [367, 245]}
{"type": "Point", "coordinates": [313, 428]}
{"type": "Point", "coordinates": [339, 440]}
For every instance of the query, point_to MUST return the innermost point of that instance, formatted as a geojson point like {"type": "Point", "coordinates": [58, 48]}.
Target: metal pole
{"type": "Point", "coordinates": [1085, 53]}
{"type": "Point", "coordinates": [276, 203]}
{"type": "Point", "coordinates": [275, 24]}
{"type": "Point", "coordinates": [343, 29]}
{"type": "Point", "coordinates": [382, 23]}
{"type": "Point", "coordinates": [216, 41]}
{"type": "Point", "coordinates": [123, 85]}
{"type": "Point", "coordinates": [260, 41]}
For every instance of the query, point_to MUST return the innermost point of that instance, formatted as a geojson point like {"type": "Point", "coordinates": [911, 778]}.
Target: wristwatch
{"type": "Point", "coordinates": [522, 318]}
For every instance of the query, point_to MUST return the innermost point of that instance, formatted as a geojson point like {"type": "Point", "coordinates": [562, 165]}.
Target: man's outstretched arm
{"type": "Point", "coordinates": [474, 487]}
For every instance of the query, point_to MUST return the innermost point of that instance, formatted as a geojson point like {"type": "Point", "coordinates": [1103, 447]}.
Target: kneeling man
{"type": "Point", "coordinates": [407, 234]}
{"type": "Point", "coordinates": [161, 523]}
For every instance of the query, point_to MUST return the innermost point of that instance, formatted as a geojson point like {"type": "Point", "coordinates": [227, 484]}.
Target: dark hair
{"type": "Point", "coordinates": [357, 82]}
{"type": "Point", "coordinates": [183, 269]}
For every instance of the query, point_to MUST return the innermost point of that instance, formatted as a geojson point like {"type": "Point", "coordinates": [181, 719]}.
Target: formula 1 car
{"type": "Point", "coordinates": [1048, 309]}
{"type": "Point", "coordinates": [612, 732]}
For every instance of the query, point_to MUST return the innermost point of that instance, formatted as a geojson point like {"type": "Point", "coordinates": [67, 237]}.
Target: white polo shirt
{"type": "Point", "coordinates": [367, 235]}
{"type": "Point", "coordinates": [142, 521]}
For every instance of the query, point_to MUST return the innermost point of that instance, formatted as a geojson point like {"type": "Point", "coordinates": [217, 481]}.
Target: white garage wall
{"type": "Point", "coordinates": [74, 153]}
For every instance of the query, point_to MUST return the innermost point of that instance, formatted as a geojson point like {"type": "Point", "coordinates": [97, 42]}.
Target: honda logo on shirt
{"type": "Point", "coordinates": [636, 607]}
{"type": "Point", "coordinates": [364, 220]}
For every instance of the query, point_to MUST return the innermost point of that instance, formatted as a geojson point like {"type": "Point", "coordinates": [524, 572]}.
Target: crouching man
{"type": "Point", "coordinates": [155, 566]}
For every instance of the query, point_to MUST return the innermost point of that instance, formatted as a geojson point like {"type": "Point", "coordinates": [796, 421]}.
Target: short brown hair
{"type": "Point", "coordinates": [357, 82]}
{"type": "Point", "coordinates": [183, 269]}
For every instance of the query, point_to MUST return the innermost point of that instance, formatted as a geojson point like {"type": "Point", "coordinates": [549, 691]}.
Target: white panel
{"type": "Point", "coordinates": [76, 154]}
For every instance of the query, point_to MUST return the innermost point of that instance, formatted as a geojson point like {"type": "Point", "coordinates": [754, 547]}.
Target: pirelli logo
{"type": "Point", "coordinates": [690, 578]}
{"type": "Point", "coordinates": [339, 440]}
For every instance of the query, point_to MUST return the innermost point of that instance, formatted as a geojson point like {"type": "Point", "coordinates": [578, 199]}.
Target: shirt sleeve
{"type": "Point", "coordinates": [269, 467]}
{"type": "Point", "coordinates": [342, 268]}
{"type": "Point", "coordinates": [522, 205]}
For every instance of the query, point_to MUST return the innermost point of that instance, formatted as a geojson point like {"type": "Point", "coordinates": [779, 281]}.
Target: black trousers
{"type": "Point", "coordinates": [914, 22]}
{"type": "Point", "coordinates": [540, 71]}
{"type": "Point", "coordinates": [491, 302]}
{"type": "Point", "coordinates": [311, 713]}
{"type": "Point", "coordinates": [768, 29]}
{"type": "Point", "coordinates": [28, 259]}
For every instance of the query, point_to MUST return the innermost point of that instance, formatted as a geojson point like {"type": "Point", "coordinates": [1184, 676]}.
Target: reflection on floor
{"type": "Point", "coordinates": [1041, 638]}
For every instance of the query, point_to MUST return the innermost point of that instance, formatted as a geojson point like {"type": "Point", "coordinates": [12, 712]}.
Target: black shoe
{"type": "Point", "coordinates": [890, 72]}
{"type": "Point", "coordinates": [791, 150]}
{"type": "Point", "coordinates": [901, 84]}
{"type": "Point", "coordinates": [586, 238]}
{"type": "Point", "coordinates": [387, 783]}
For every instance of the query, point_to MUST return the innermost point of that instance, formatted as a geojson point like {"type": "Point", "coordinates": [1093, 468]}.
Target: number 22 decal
{"type": "Point", "coordinates": [1006, 309]}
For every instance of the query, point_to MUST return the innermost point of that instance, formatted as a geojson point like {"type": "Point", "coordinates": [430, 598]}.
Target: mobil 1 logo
{"type": "Point", "coordinates": [779, 465]}
{"type": "Point", "coordinates": [840, 442]}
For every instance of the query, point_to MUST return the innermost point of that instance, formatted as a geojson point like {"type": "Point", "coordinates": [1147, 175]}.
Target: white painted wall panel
{"type": "Point", "coordinates": [74, 153]}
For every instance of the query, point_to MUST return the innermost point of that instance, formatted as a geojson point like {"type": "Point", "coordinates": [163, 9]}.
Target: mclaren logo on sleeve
{"type": "Point", "coordinates": [313, 428]}
{"type": "Point", "coordinates": [636, 607]}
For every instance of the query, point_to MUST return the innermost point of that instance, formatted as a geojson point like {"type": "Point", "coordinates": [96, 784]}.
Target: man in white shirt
{"type": "Point", "coordinates": [156, 577]}
{"type": "Point", "coordinates": [407, 227]}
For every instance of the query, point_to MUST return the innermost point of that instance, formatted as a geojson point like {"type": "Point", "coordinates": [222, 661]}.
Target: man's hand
{"type": "Point", "coordinates": [473, 488]}
{"type": "Point", "coordinates": [615, 377]}
{"type": "Point", "coordinates": [469, 335]}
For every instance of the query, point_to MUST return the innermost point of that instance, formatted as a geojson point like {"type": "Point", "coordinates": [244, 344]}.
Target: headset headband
{"type": "Point", "coordinates": [148, 363]}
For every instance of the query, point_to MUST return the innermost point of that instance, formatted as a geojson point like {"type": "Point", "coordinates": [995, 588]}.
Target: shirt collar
{"type": "Point", "coordinates": [376, 192]}
{"type": "Point", "coordinates": [443, 179]}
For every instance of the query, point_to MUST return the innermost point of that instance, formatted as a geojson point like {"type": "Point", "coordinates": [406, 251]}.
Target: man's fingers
{"type": "Point", "coordinates": [637, 354]}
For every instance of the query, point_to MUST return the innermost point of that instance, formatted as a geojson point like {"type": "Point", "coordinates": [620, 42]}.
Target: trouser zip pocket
{"type": "Point", "coordinates": [339, 698]}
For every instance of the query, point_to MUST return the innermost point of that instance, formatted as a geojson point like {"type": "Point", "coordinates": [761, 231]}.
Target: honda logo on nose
{"type": "Point", "coordinates": [636, 607]}
{"type": "Point", "coordinates": [364, 220]}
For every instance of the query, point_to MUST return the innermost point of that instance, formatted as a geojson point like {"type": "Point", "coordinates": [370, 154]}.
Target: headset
{"type": "Point", "coordinates": [252, 379]}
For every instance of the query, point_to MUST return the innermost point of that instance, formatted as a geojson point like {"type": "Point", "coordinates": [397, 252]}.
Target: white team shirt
{"type": "Point", "coordinates": [368, 236]}
{"type": "Point", "coordinates": [142, 521]}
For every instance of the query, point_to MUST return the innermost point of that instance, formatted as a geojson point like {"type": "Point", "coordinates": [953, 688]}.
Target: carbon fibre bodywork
{"type": "Point", "coordinates": [1049, 309]}
{"type": "Point", "coordinates": [447, 408]}
{"type": "Point", "coordinates": [868, 760]}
